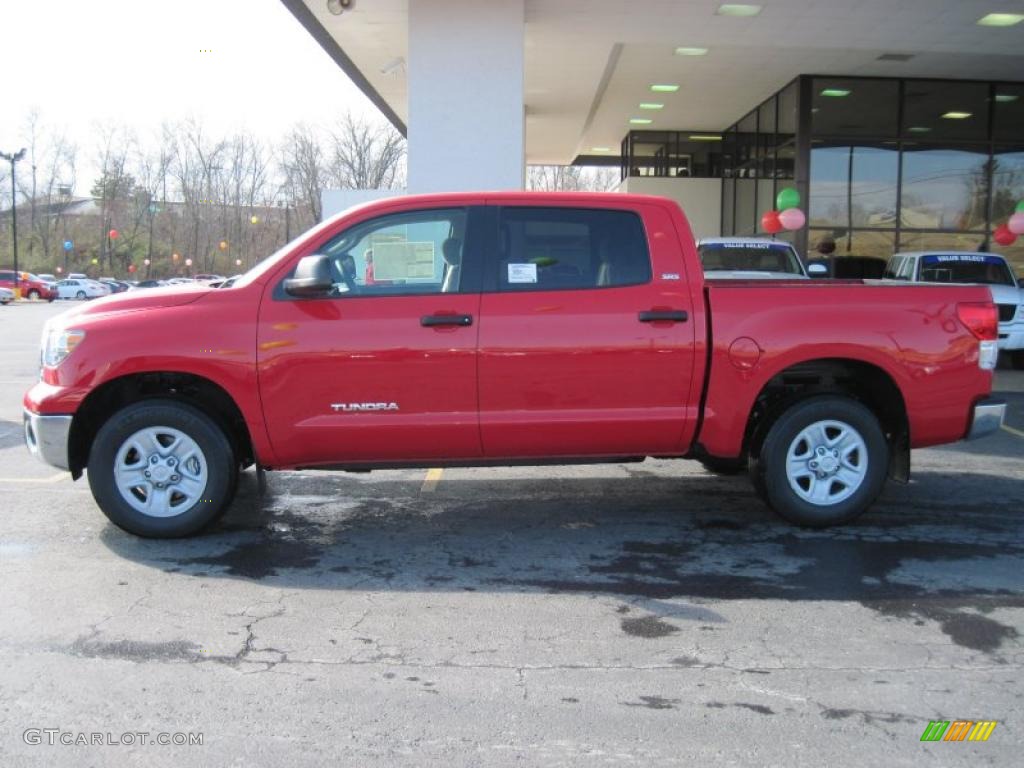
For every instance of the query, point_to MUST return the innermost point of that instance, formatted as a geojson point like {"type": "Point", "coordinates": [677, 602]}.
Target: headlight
{"type": "Point", "coordinates": [58, 343]}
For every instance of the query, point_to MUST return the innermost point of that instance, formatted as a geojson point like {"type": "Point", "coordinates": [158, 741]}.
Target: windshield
{"type": "Point", "coordinates": [749, 257]}
{"type": "Point", "coordinates": [965, 268]}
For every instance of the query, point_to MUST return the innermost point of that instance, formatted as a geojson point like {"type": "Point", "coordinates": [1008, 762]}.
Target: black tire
{"type": "Point", "coordinates": [33, 294]}
{"type": "Point", "coordinates": [80, 295]}
{"type": "Point", "coordinates": [221, 464]}
{"type": "Point", "coordinates": [770, 468]}
{"type": "Point", "coordinates": [719, 466]}
{"type": "Point", "coordinates": [1017, 360]}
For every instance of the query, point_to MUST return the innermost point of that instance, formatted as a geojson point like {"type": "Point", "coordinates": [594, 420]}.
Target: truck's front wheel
{"type": "Point", "coordinates": [824, 461]}
{"type": "Point", "coordinates": [162, 469]}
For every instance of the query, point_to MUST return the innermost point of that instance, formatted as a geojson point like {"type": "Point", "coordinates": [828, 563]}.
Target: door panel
{"type": "Point", "coordinates": [578, 372]}
{"type": "Point", "coordinates": [362, 376]}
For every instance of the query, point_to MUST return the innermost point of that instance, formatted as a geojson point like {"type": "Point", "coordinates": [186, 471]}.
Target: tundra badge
{"type": "Point", "coordinates": [359, 407]}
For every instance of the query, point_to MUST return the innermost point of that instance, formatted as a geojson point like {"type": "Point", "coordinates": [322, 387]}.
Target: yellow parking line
{"type": "Point", "coordinates": [54, 479]}
{"type": "Point", "coordinates": [431, 480]}
{"type": "Point", "coordinates": [1013, 431]}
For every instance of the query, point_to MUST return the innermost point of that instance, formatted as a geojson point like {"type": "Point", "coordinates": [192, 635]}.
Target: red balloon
{"type": "Point", "coordinates": [770, 222]}
{"type": "Point", "coordinates": [113, 234]}
{"type": "Point", "coordinates": [131, 267]}
{"type": "Point", "coordinates": [1003, 235]}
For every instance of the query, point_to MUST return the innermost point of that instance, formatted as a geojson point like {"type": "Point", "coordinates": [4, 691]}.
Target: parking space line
{"type": "Point", "coordinates": [1013, 431]}
{"type": "Point", "coordinates": [431, 480]}
{"type": "Point", "coordinates": [54, 479]}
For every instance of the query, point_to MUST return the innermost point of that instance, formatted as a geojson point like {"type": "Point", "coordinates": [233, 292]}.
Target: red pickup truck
{"type": "Point", "coordinates": [499, 329]}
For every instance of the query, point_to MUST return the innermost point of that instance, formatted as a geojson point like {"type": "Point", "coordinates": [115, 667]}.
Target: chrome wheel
{"type": "Point", "coordinates": [827, 462]}
{"type": "Point", "coordinates": [160, 471]}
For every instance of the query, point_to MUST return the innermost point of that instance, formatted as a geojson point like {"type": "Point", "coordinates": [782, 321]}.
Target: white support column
{"type": "Point", "coordinates": [465, 75]}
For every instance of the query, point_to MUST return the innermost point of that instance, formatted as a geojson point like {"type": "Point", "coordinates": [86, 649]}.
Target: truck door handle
{"type": "Point", "coordinates": [428, 321]}
{"type": "Point", "coordinates": [661, 316]}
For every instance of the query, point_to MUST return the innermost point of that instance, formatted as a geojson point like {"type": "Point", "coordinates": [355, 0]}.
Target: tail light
{"type": "Point", "coordinates": [981, 319]}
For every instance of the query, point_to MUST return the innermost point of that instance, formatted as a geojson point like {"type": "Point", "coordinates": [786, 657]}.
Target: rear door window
{"type": "Point", "coordinates": [552, 249]}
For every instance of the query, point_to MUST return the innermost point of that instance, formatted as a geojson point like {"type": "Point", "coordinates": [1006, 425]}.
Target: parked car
{"type": "Point", "coordinates": [848, 267]}
{"type": "Point", "coordinates": [80, 289]}
{"type": "Point", "coordinates": [147, 284]}
{"type": "Point", "coordinates": [77, 276]}
{"type": "Point", "coordinates": [6, 295]}
{"type": "Point", "coordinates": [971, 268]}
{"type": "Point", "coordinates": [209, 278]}
{"type": "Point", "coordinates": [502, 328]}
{"type": "Point", "coordinates": [30, 286]}
{"type": "Point", "coordinates": [115, 286]}
{"type": "Point", "coordinates": [48, 277]}
{"type": "Point", "coordinates": [754, 258]}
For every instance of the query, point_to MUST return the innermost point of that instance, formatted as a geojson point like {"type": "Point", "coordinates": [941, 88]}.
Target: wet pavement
{"type": "Point", "coordinates": [647, 614]}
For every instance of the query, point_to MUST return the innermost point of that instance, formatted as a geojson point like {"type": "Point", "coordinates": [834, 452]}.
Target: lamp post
{"type": "Point", "coordinates": [12, 159]}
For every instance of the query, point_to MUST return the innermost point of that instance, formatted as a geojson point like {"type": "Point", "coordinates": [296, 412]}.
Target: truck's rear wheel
{"type": "Point", "coordinates": [823, 462]}
{"type": "Point", "coordinates": [162, 469]}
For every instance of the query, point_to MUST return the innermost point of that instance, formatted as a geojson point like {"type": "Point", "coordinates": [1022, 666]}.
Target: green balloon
{"type": "Point", "coordinates": [1020, 207]}
{"type": "Point", "coordinates": [787, 198]}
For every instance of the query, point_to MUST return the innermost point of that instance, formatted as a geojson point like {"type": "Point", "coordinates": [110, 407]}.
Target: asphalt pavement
{"type": "Point", "coordinates": [639, 614]}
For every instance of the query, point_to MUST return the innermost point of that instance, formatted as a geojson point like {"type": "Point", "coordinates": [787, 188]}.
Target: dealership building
{"type": "Point", "coordinates": [900, 122]}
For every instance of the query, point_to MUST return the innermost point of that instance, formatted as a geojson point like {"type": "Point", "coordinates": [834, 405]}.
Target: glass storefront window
{"type": "Point", "coordinates": [746, 149]}
{"type": "Point", "coordinates": [941, 241]}
{"type": "Point", "coordinates": [945, 109]}
{"type": "Point", "coordinates": [1008, 124]}
{"type": "Point", "coordinates": [853, 186]}
{"type": "Point", "coordinates": [944, 188]}
{"type": "Point", "coordinates": [1007, 182]}
{"type": "Point", "coordinates": [745, 207]}
{"type": "Point", "coordinates": [728, 199]}
{"type": "Point", "coordinates": [766, 139]}
{"type": "Point", "coordinates": [854, 107]}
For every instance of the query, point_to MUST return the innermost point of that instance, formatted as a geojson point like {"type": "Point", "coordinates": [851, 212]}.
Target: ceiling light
{"type": "Point", "coordinates": [704, 137]}
{"type": "Point", "coordinates": [691, 51]}
{"type": "Point", "coordinates": [1001, 19]}
{"type": "Point", "coordinates": [600, 149]}
{"type": "Point", "coordinates": [1006, 98]}
{"type": "Point", "coordinates": [664, 88]}
{"type": "Point", "coordinates": [836, 93]}
{"type": "Point", "coordinates": [640, 121]}
{"type": "Point", "coordinates": [957, 115]}
{"type": "Point", "coordinates": [651, 105]}
{"type": "Point", "coordinates": [738, 9]}
{"type": "Point", "coordinates": [918, 129]}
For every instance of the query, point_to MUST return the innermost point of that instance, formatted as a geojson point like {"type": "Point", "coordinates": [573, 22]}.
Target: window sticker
{"type": "Point", "coordinates": [522, 273]}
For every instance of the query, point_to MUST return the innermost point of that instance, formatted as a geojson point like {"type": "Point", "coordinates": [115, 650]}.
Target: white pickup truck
{"type": "Point", "coordinates": [969, 268]}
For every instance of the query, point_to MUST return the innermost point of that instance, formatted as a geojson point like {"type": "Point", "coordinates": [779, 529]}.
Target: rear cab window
{"type": "Point", "coordinates": [749, 257]}
{"type": "Point", "coordinates": [965, 268]}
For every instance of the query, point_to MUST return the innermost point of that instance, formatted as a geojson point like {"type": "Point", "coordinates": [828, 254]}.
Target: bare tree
{"type": "Point", "coordinates": [571, 178]}
{"type": "Point", "coordinates": [48, 185]}
{"type": "Point", "coordinates": [366, 154]}
{"type": "Point", "coordinates": [302, 169]}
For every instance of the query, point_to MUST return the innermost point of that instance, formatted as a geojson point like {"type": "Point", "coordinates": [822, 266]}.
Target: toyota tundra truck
{"type": "Point", "coordinates": [499, 329]}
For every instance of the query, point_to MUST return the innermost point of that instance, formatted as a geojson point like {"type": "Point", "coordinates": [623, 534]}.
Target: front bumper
{"type": "Point", "coordinates": [988, 417]}
{"type": "Point", "coordinates": [47, 438]}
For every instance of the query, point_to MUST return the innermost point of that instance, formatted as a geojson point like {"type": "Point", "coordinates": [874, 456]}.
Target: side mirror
{"type": "Point", "coordinates": [817, 270]}
{"type": "Point", "coordinates": [312, 278]}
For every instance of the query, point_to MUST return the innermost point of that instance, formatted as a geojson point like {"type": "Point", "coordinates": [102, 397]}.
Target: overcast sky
{"type": "Point", "coordinates": [139, 63]}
